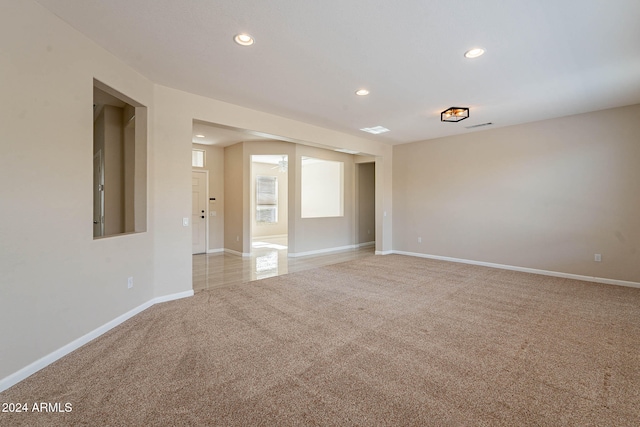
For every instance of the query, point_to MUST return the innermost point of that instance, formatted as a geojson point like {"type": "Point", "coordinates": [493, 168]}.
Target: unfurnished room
{"type": "Point", "coordinates": [354, 213]}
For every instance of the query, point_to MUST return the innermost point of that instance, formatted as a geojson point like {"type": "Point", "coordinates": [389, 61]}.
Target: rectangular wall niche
{"type": "Point", "coordinates": [119, 163]}
{"type": "Point", "coordinates": [322, 188]}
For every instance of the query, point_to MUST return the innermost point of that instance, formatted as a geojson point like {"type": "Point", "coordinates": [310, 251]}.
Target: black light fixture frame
{"type": "Point", "coordinates": [454, 118]}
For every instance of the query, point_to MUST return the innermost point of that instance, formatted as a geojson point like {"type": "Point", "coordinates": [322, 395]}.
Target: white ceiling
{"type": "Point", "coordinates": [544, 58]}
{"type": "Point", "coordinates": [222, 136]}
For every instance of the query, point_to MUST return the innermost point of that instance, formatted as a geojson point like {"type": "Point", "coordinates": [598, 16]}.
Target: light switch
{"type": "Point", "coordinates": [185, 222]}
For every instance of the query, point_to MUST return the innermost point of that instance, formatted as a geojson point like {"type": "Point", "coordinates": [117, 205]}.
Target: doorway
{"type": "Point", "coordinates": [199, 211]}
{"type": "Point", "coordinates": [366, 204]}
{"type": "Point", "coordinates": [269, 213]}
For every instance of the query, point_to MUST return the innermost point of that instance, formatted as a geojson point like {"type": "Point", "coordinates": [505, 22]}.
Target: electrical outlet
{"type": "Point", "coordinates": [368, 231]}
{"type": "Point", "coordinates": [130, 282]}
{"type": "Point", "coordinates": [237, 238]}
{"type": "Point", "coordinates": [419, 239]}
{"type": "Point", "coordinates": [597, 258]}
{"type": "Point", "coordinates": [213, 213]}
{"type": "Point", "coordinates": [185, 222]}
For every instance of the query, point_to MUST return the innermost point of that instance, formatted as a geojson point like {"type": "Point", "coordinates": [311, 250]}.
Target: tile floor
{"type": "Point", "coordinates": [268, 258]}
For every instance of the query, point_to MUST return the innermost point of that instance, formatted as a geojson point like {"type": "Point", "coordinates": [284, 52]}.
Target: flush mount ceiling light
{"type": "Point", "coordinates": [454, 114]}
{"type": "Point", "coordinates": [362, 92]}
{"type": "Point", "coordinates": [243, 39]}
{"type": "Point", "coordinates": [375, 130]}
{"type": "Point", "coordinates": [474, 53]}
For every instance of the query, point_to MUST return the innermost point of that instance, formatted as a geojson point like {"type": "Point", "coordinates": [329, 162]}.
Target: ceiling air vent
{"type": "Point", "coordinates": [478, 126]}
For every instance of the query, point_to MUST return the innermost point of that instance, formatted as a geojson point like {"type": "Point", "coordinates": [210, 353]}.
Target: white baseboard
{"type": "Point", "coordinates": [232, 252]}
{"type": "Point", "coordinates": [363, 245]}
{"type": "Point", "coordinates": [172, 297]}
{"type": "Point", "coordinates": [43, 362]}
{"type": "Point", "coordinates": [384, 252]}
{"type": "Point", "coordinates": [215, 251]}
{"type": "Point", "coordinates": [322, 251]}
{"type": "Point", "coordinates": [270, 236]}
{"type": "Point", "coordinates": [526, 270]}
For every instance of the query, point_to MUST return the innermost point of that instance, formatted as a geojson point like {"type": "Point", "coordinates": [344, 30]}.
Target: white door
{"type": "Point", "coordinates": [199, 212]}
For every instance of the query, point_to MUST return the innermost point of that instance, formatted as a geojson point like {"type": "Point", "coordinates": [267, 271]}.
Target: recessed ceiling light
{"type": "Point", "coordinates": [375, 130]}
{"type": "Point", "coordinates": [243, 39]}
{"type": "Point", "coordinates": [199, 136]}
{"type": "Point", "coordinates": [474, 53]}
{"type": "Point", "coordinates": [362, 92]}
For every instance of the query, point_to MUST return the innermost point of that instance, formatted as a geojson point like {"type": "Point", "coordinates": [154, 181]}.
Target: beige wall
{"type": "Point", "coordinates": [384, 204]}
{"type": "Point", "coordinates": [234, 196]}
{"type": "Point", "coordinates": [235, 204]}
{"type": "Point", "coordinates": [57, 282]}
{"type": "Point", "coordinates": [304, 234]}
{"type": "Point", "coordinates": [214, 163]}
{"type": "Point", "coordinates": [546, 195]}
{"type": "Point", "coordinates": [314, 234]}
{"type": "Point", "coordinates": [178, 110]}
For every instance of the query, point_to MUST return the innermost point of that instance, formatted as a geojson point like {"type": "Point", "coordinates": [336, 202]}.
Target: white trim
{"type": "Point", "coordinates": [270, 236]}
{"type": "Point", "coordinates": [215, 251]}
{"type": "Point", "coordinates": [385, 252]}
{"type": "Point", "coordinates": [101, 191]}
{"type": "Point", "coordinates": [232, 252]}
{"type": "Point", "coordinates": [322, 251]}
{"type": "Point", "coordinates": [172, 297]}
{"type": "Point", "coordinates": [362, 245]}
{"type": "Point", "coordinates": [526, 270]}
{"type": "Point", "coordinates": [45, 361]}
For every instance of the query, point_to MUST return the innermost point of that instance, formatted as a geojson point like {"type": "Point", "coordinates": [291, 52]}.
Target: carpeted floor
{"type": "Point", "coordinates": [386, 340]}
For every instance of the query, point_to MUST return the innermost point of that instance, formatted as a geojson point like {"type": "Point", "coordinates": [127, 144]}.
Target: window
{"type": "Point", "coordinates": [119, 163]}
{"type": "Point", "coordinates": [322, 188]}
{"type": "Point", "coordinates": [197, 158]}
{"type": "Point", "coordinates": [267, 199]}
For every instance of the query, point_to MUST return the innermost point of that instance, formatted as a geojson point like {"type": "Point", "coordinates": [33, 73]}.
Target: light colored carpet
{"type": "Point", "coordinates": [386, 340]}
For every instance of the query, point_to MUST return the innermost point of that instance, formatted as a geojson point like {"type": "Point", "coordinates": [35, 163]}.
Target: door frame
{"type": "Point", "coordinates": [206, 210]}
{"type": "Point", "coordinates": [358, 209]}
{"type": "Point", "coordinates": [100, 192]}
{"type": "Point", "coordinates": [252, 195]}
